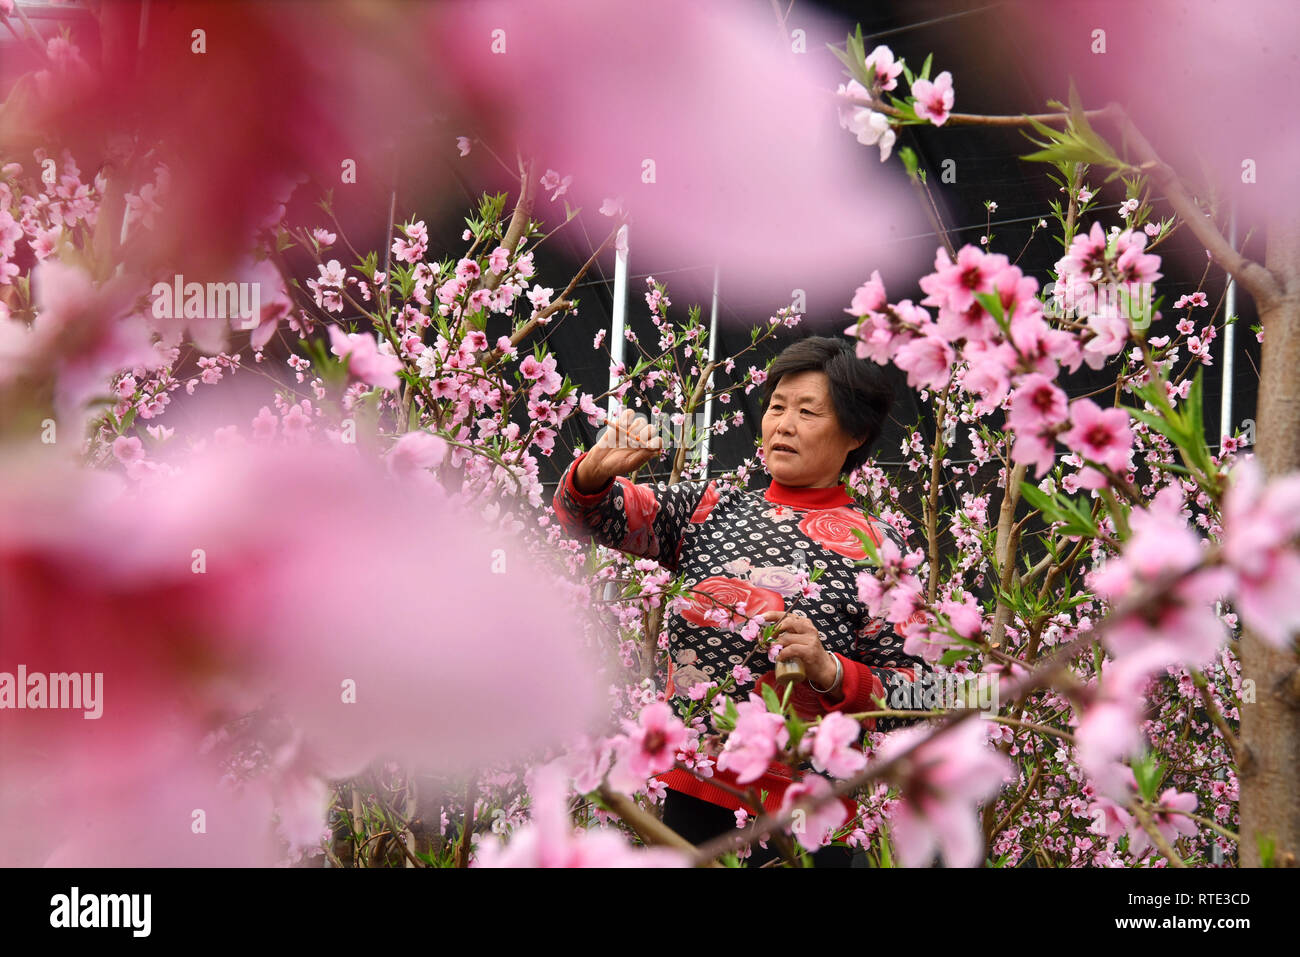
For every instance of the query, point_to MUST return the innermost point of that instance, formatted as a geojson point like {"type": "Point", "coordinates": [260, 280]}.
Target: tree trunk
{"type": "Point", "coordinates": [1270, 728]}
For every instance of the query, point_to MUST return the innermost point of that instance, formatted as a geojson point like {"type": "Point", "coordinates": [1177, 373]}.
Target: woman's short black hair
{"type": "Point", "coordinates": [860, 392]}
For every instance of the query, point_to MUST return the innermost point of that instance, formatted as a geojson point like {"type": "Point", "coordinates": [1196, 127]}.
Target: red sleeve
{"type": "Point", "coordinates": [648, 520]}
{"type": "Point", "coordinates": [568, 490]}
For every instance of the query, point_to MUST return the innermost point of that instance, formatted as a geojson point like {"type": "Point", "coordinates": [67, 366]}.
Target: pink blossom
{"type": "Point", "coordinates": [295, 422]}
{"type": "Point", "coordinates": [365, 361]}
{"type": "Point", "coordinates": [1017, 293]}
{"type": "Point", "coordinates": [988, 373]}
{"type": "Point", "coordinates": [1086, 256]}
{"type": "Point", "coordinates": [415, 453]}
{"type": "Point", "coordinates": [941, 784]}
{"type": "Point", "coordinates": [1134, 265]}
{"type": "Point", "coordinates": [531, 368]}
{"type": "Point", "coordinates": [1109, 818]}
{"type": "Point", "coordinates": [264, 629]}
{"type": "Point", "coordinates": [265, 424]}
{"type": "Point", "coordinates": [964, 616]}
{"type": "Point", "coordinates": [813, 828]}
{"type": "Point", "coordinates": [934, 100]}
{"type": "Point", "coordinates": [975, 324]}
{"type": "Point", "coordinates": [142, 207]}
{"type": "Point", "coordinates": [1036, 404]}
{"type": "Point", "coordinates": [869, 127]}
{"type": "Point", "coordinates": [927, 360]}
{"type": "Point", "coordinates": [757, 737]}
{"type": "Point", "coordinates": [1035, 448]}
{"type": "Point", "coordinates": [649, 747]}
{"type": "Point", "coordinates": [549, 839]}
{"type": "Point", "coordinates": [875, 338]}
{"type": "Point", "coordinates": [1101, 435]}
{"type": "Point", "coordinates": [128, 449]}
{"type": "Point", "coordinates": [1260, 524]}
{"type": "Point", "coordinates": [540, 297]}
{"type": "Point", "coordinates": [1106, 735]}
{"type": "Point", "coordinates": [542, 373]}
{"type": "Point", "coordinates": [881, 64]}
{"type": "Point", "coordinates": [953, 284]}
{"type": "Point", "coordinates": [1109, 334]}
{"type": "Point", "coordinates": [412, 248]}
{"type": "Point", "coordinates": [869, 297]}
{"type": "Point", "coordinates": [499, 260]}
{"type": "Point", "coordinates": [594, 413]}
{"type": "Point", "coordinates": [579, 118]}
{"type": "Point", "coordinates": [275, 302]}
{"type": "Point", "coordinates": [1178, 627]}
{"type": "Point", "coordinates": [83, 333]}
{"type": "Point", "coordinates": [834, 750]}
{"type": "Point", "coordinates": [552, 183]}
{"type": "Point", "coordinates": [1042, 349]}
{"type": "Point", "coordinates": [1170, 824]}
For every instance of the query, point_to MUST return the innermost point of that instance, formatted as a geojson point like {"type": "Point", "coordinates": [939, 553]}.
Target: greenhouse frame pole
{"type": "Point", "coordinates": [1229, 340]}
{"type": "Point", "coordinates": [713, 354]}
{"type": "Point", "coordinates": [619, 317]}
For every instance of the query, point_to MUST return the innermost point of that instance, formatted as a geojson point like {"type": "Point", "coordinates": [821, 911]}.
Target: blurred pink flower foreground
{"type": "Point", "coordinates": [370, 613]}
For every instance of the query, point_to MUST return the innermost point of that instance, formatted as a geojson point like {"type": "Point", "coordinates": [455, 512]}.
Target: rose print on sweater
{"type": "Point", "coordinates": [783, 580]}
{"type": "Point", "coordinates": [786, 582]}
{"type": "Point", "coordinates": [641, 507]}
{"type": "Point", "coordinates": [719, 592]}
{"type": "Point", "coordinates": [832, 528]}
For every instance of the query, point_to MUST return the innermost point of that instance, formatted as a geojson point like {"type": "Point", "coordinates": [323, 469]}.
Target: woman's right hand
{"type": "Point", "coordinates": [624, 447]}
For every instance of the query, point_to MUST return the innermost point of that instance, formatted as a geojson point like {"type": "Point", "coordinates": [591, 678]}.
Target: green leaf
{"type": "Point", "coordinates": [868, 545]}
{"type": "Point", "coordinates": [925, 67]}
{"type": "Point", "coordinates": [886, 850]}
{"type": "Point", "coordinates": [854, 56]}
{"type": "Point", "coordinates": [954, 655]}
{"type": "Point", "coordinates": [1159, 423]}
{"type": "Point", "coordinates": [1042, 501]}
{"type": "Point", "coordinates": [910, 161]}
{"type": "Point", "coordinates": [1196, 412]}
{"type": "Point", "coordinates": [773, 702]}
{"type": "Point", "coordinates": [992, 303]}
{"type": "Point", "coordinates": [1147, 771]}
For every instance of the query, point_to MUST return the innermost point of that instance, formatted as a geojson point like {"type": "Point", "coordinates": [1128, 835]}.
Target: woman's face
{"type": "Point", "coordinates": [803, 443]}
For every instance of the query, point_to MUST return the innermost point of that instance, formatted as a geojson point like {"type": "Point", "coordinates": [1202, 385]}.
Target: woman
{"type": "Point", "coordinates": [824, 408]}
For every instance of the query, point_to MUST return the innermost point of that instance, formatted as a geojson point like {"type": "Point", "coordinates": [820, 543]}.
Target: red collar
{"type": "Point", "coordinates": [807, 498]}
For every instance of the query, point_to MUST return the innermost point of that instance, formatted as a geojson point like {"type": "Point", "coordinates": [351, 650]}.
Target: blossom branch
{"type": "Point", "coordinates": [1041, 677]}
{"type": "Point", "coordinates": [1260, 282]}
{"type": "Point", "coordinates": [649, 828]}
{"type": "Point", "coordinates": [520, 218]}
{"type": "Point", "coordinates": [1216, 716]}
{"type": "Point", "coordinates": [1158, 839]}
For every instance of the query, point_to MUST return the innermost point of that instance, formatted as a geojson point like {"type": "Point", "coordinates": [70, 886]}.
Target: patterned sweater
{"type": "Point", "coordinates": [736, 546]}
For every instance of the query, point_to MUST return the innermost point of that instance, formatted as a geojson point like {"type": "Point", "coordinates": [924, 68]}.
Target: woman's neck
{"type": "Point", "coordinates": [829, 496]}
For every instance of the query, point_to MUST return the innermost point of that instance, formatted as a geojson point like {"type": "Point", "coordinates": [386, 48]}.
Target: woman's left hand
{"type": "Point", "coordinates": [799, 639]}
